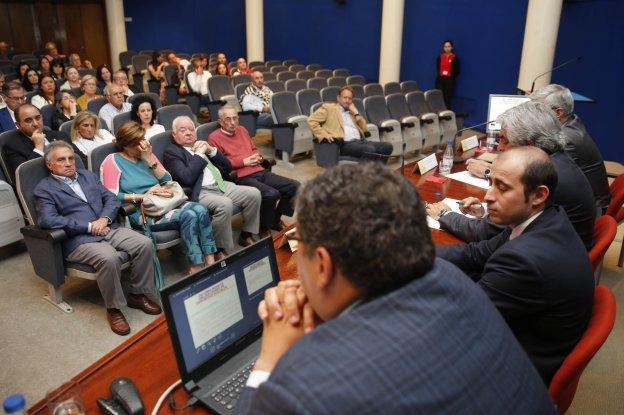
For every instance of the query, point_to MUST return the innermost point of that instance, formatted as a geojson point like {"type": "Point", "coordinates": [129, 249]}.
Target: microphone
{"type": "Point", "coordinates": [554, 69]}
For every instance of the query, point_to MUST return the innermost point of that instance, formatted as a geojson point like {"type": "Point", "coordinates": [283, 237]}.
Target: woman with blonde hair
{"type": "Point", "coordinates": [89, 91]}
{"type": "Point", "coordinates": [135, 172]}
{"type": "Point", "coordinates": [87, 133]}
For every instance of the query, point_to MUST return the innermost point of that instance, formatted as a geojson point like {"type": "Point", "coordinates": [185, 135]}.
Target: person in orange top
{"type": "Point", "coordinates": [447, 69]}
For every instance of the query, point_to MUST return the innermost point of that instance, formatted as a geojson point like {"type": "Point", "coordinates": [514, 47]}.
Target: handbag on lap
{"type": "Point", "coordinates": [156, 206]}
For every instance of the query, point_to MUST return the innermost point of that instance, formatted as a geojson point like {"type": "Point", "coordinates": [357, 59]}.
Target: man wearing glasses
{"type": "Point", "coordinates": [30, 139]}
{"type": "Point", "coordinates": [116, 105]}
{"type": "Point", "coordinates": [12, 97]}
{"type": "Point", "coordinates": [277, 192]}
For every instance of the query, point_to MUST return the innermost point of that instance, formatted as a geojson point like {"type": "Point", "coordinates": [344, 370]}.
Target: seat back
{"type": "Point", "coordinates": [278, 68]}
{"type": "Point", "coordinates": [77, 92]}
{"type": "Point", "coordinates": [219, 86]}
{"type": "Point", "coordinates": [358, 91]}
{"type": "Point", "coordinates": [435, 100]}
{"type": "Point", "coordinates": [11, 135]}
{"type": "Point", "coordinates": [96, 104]}
{"type": "Point", "coordinates": [290, 62]}
{"type": "Point", "coordinates": [269, 76]}
{"type": "Point", "coordinates": [314, 67]}
{"type": "Point", "coordinates": [317, 83]}
{"type": "Point", "coordinates": [376, 109]}
{"type": "Point", "coordinates": [359, 104]}
{"type": "Point", "coordinates": [97, 156]}
{"type": "Point", "coordinates": [146, 52]}
{"type": "Point", "coordinates": [323, 73]}
{"type": "Point", "coordinates": [253, 64]}
{"type": "Point", "coordinates": [125, 58]}
{"type": "Point", "coordinates": [241, 79]}
{"type": "Point", "coordinates": [617, 196]}
{"type": "Point", "coordinates": [409, 86]}
{"type": "Point", "coordinates": [119, 120]}
{"type": "Point", "coordinates": [296, 68]}
{"type": "Point", "coordinates": [563, 385]}
{"type": "Point", "coordinates": [159, 143]}
{"type": "Point", "coordinates": [272, 63]}
{"type": "Point", "coordinates": [169, 71]}
{"type": "Point", "coordinates": [397, 106]}
{"type": "Point", "coordinates": [605, 229]}
{"type": "Point", "coordinates": [239, 89]}
{"type": "Point", "coordinates": [152, 95]}
{"type": "Point", "coordinates": [344, 72]}
{"type": "Point", "coordinates": [305, 75]}
{"type": "Point", "coordinates": [294, 85]}
{"type": "Point", "coordinates": [276, 86]}
{"type": "Point", "coordinates": [87, 71]}
{"type": "Point", "coordinates": [283, 106]}
{"type": "Point", "coordinates": [30, 95]}
{"type": "Point", "coordinates": [23, 57]}
{"type": "Point", "coordinates": [392, 88]}
{"type": "Point", "coordinates": [329, 93]}
{"type": "Point", "coordinates": [337, 81]}
{"type": "Point", "coordinates": [306, 98]}
{"type": "Point", "coordinates": [416, 103]}
{"type": "Point", "coordinates": [261, 68]}
{"type": "Point", "coordinates": [370, 90]}
{"type": "Point", "coordinates": [140, 62]}
{"type": "Point", "coordinates": [47, 113]}
{"type": "Point", "coordinates": [167, 114]}
{"type": "Point", "coordinates": [285, 76]}
{"type": "Point", "coordinates": [204, 130]}
{"type": "Point", "coordinates": [355, 80]}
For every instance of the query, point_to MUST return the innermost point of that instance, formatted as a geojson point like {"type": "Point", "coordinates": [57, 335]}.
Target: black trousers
{"type": "Point", "coordinates": [447, 86]}
{"type": "Point", "coordinates": [277, 193]}
{"type": "Point", "coordinates": [357, 148]}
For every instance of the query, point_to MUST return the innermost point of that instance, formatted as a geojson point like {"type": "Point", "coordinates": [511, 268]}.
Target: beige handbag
{"type": "Point", "coordinates": [156, 206]}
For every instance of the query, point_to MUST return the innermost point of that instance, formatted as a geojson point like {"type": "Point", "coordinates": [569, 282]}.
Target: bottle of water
{"type": "Point", "coordinates": [492, 135]}
{"type": "Point", "coordinates": [447, 158]}
{"type": "Point", "coordinates": [15, 405]}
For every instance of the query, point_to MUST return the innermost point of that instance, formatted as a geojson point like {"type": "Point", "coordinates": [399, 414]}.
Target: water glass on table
{"type": "Point", "coordinates": [445, 167]}
{"type": "Point", "coordinates": [66, 402]}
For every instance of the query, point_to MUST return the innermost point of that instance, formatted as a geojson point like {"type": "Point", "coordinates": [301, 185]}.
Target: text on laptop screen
{"type": "Point", "coordinates": [501, 103]}
{"type": "Point", "coordinates": [221, 306]}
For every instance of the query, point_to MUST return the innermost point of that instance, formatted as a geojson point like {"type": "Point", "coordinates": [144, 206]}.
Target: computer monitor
{"type": "Point", "coordinates": [500, 103]}
{"type": "Point", "coordinates": [214, 311]}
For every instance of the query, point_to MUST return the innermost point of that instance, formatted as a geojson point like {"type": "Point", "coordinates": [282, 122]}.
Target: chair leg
{"type": "Point", "coordinates": [55, 297]}
{"type": "Point", "coordinates": [621, 259]}
{"type": "Point", "coordinates": [285, 161]}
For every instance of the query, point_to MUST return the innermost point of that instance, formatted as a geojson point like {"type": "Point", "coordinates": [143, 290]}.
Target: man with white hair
{"type": "Point", "coordinates": [115, 106]}
{"type": "Point", "coordinates": [579, 145]}
{"type": "Point", "coordinates": [529, 124]}
{"type": "Point", "coordinates": [205, 169]}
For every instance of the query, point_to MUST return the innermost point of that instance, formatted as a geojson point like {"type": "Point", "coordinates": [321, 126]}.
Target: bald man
{"type": "Point", "coordinates": [536, 271]}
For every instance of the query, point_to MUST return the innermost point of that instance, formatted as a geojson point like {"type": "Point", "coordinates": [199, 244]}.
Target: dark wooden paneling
{"type": "Point", "coordinates": [22, 26]}
{"type": "Point", "coordinates": [95, 33]}
{"type": "Point", "coordinates": [5, 24]}
{"type": "Point", "coordinates": [48, 24]}
{"type": "Point", "coordinates": [70, 19]}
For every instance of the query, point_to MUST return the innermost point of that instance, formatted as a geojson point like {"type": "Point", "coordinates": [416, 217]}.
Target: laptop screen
{"type": "Point", "coordinates": [500, 103]}
{"type": "Point", "coordinates": [210, 310]}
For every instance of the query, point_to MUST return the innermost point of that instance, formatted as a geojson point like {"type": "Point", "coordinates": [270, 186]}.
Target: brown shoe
{"type": "Point", "coordinates": [143, 303]}
{"type": "Point", "coordinates": [246, 241]}
{"type": "Point", "coordinates": [118, 323]}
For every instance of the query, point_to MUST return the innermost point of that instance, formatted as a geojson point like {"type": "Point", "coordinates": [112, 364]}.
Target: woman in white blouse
{"type": "Point", "coordinates": [198, 78]}
{"type": "Point", "coordinates": [87, 133]}
{"type": "Point", "coordinates": [73, 78]}
{"type": "Point", "coordinates": [47, 92]}
{"type": "Point", "coordinates": [144, 112]}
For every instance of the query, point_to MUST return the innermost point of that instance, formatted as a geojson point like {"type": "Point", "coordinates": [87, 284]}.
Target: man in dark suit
{"type": "Point", "coordinates": [403, 332]}
{"type": "Point", "coordinates": [12, 96]}
{"type": "Point", "coordinates": [536, 271]}
{"type": "Point", "coordinates": [579, 145]}
{"type": "Point", "coordinates": [530, 124]}
{"type": "Point", "coordinates": [202, 167]}
{"type": "Point", "coordinates": [31, 139]}
{"type": "Point", "coordinates": [76, 202]}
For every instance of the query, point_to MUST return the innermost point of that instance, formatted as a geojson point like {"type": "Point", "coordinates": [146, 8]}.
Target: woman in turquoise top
{"type": "Point", "coordinates": [134, 171]}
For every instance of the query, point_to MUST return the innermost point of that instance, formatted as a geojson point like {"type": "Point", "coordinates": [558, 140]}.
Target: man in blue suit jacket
{"type": "Point", "coordinates": [403, 332]}
{"type": "Point", "coordinates": [198, 165]}
{"type": "Point", "coordinates": [12, 97]}
{"type": "Point", "coordinates": [536, 271]}
{"type": "Point", "coordinates": [76, 202]}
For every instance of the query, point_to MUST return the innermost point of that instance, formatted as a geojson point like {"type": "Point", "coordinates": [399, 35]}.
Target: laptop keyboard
{"type": "Point", "coordinates": [228, 392]}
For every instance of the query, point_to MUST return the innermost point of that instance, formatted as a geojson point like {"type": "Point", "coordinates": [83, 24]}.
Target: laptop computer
{"type": "Point", "coordinates": [214, 324]}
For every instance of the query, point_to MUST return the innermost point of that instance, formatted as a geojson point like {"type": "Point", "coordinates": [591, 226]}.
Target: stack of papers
{"type": "Point", "coordinates": [452, 203]}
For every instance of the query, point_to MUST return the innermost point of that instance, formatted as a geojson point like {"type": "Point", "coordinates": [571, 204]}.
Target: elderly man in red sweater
{"type": "Point", "coordinates": [277, 191]}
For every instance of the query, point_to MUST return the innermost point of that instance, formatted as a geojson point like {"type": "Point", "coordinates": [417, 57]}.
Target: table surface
{"type": "Point", "coordinates": [147, 357]}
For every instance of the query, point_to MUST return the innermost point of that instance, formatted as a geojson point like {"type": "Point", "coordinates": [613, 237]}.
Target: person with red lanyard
{"type": "Point", "coordinates": [447, 66]}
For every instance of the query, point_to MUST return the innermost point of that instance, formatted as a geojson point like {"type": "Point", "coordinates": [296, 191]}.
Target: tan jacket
{"type": "Point", "coordinates": [327, 121]}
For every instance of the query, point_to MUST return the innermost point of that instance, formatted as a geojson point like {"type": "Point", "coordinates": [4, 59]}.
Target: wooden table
{"type": "Point", "coordinates": [147, 357]}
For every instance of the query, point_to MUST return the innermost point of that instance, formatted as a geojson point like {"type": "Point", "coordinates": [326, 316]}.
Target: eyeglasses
{"type": "Point", "coordinates": [19, 99]}
{"type": "Point", "coordinates": [230, 119]}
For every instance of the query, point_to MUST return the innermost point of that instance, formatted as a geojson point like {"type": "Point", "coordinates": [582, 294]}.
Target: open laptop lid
{"type": "Point", "coordinates": [499, 103]}
{"type": "Point", "coordinates": [212, 314]}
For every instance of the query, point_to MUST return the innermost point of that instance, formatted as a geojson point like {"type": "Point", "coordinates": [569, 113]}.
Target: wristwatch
{"type": "Point", "coordinates": [486, 173]}
{"type": "Point", "coordinates": [153, 166]}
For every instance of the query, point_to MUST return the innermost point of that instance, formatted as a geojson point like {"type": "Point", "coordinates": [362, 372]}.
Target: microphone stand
{"type": "Point", "coordinates": [553, 69]}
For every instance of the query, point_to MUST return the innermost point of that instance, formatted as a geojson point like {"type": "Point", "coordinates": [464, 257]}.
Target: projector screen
{"type": "Point", "coordinates": [499, 103]}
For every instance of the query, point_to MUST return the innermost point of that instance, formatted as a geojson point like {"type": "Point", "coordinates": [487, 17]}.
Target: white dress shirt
{"type": "Point", "coordinates": [351, 131]}
{"type": "Point", "coordinates": [153, 130]}
{"type": "Point", "coordinates": [199, 83]}
{"type": "Point", "coordinates": [208, 179]}
{"type": "Point", "coordinates": [108, 112]}
{"type": "Point", "coordinates": [101, 137]}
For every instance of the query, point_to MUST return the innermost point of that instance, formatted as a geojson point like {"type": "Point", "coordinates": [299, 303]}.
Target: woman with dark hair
{"type": "Point", "coordinates": [46, 92]}
{"type": "Point", "coordinates": [66, 109]}
{"type": "Point", "coordinates": [144, 113]}
{"type": "Point", "coordinates": [30, 80]}
{"type": "Point", "coordinates": [58, 69]}
{"type": "Point", "coordinates": [135, 172]}
{"type": "Point", "coordinates": [44, 65]}
{"type": "Point", "coordinates": [222, 69]}
{"type": "Point", "coordinates": [22, 67]}
{"type": "Point", "coordinates": [447, 69]}
{"type": "Point", "coordinates": [157, 71]}
{"type": "Point", "coordinates": [104, 77]}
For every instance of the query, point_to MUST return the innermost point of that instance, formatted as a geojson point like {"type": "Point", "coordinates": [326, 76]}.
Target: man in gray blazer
{"type": "Point", "coordinates": [402, 331]}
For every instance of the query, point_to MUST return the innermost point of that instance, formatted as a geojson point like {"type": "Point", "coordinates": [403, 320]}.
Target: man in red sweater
{"type": "Point", "coordinates": [277, 191]}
